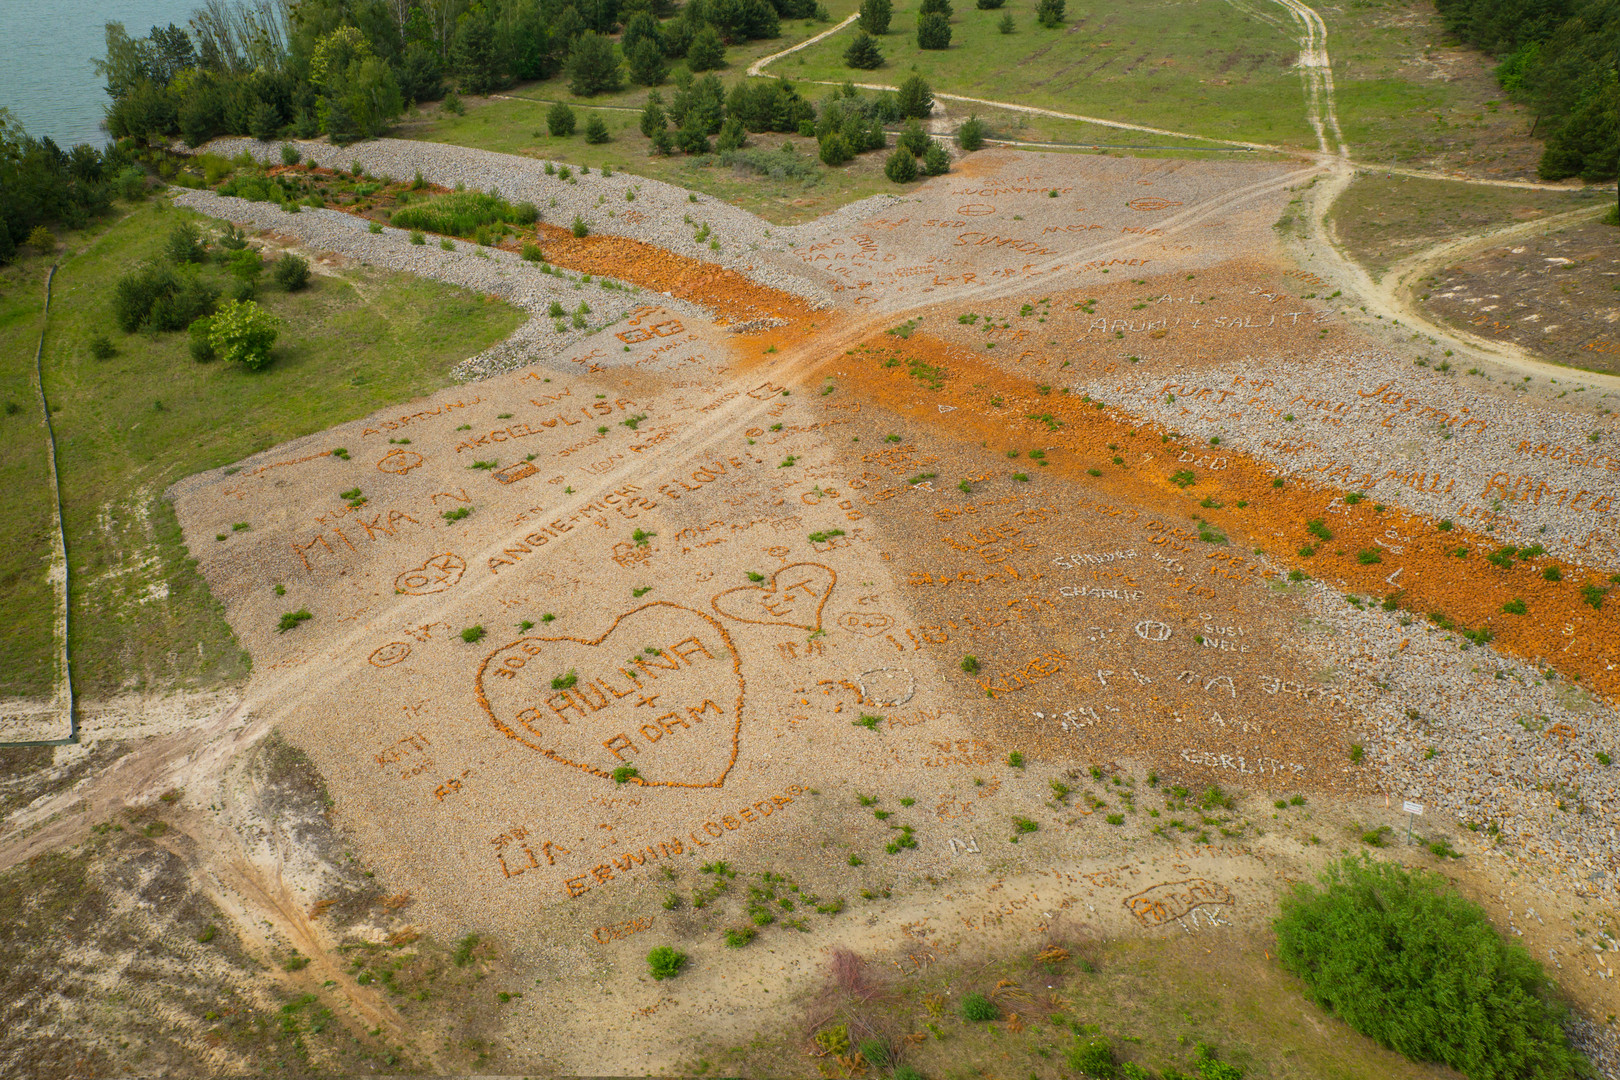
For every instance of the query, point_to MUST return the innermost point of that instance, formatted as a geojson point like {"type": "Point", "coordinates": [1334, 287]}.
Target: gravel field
{"type": "Point", "coordinates": [658, 215]}
{"type": "Point", "coordinates": [1533, 740]}
{"type": "Point", "coordinates": [1517, 466]}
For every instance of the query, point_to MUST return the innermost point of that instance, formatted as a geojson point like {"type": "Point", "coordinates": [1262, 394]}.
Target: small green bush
{"type": "Point", "coordinates": [581, 230]}
{"type": "Point", "coordinates": [291, 272]}
{"type": "Point", "coordinates": [970, 136]}
{"type": "Point", "coordinates": [596, 130]}
{"type": "Point", "coordinates": [202, 343]}
{"type": "Point", "coordinates": [242, 332]}
{"type": "Point", "coordinates": [1093, 1057]}
{"type": "Point", "coordinates": [977, 1008]}
{"type": "Point", "coordinates": [901, 166]}
{"type": "Point", "coordinates": [472, 634]}
{"type": "Point", "coordinates": [560, 120]}
{"type": "Point", "coordinates": [291, 619]}
{"type": "Point", "coordinates": [1405, 960]}
{"type": "Point", "coordinates": [665, 962]}
{"type": "Point", "coordinates": [101, 347]}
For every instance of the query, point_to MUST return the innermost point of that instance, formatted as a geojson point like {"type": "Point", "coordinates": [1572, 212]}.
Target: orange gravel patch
{"type": "Point", "coordinates": [1560, 629]}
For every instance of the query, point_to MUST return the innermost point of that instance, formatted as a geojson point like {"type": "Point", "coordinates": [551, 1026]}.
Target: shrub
{"type": "Point", "coordinates": [1049, 13]}
{"type": "Point", "coordinates": [875, 16]}
{"type": "Point", "coordinates": [291, 619]}
{"type": "Point", "coordinates": [462, 213]}
{"type": "Point", "coordinates": [290, 155]}
{"type": "Point", "coordinates": [155, 296]}
{"type": "Point", "coordinates": [41, 239]}
{"type": "Point", "coordinates": [291, 272]}
{"type": "Point", "coordinates": [901, 167]}
{"type": "Point", "coordinates": [245, 265]}
{"type": "Point", "coordinates": [184, 244]}
{"type": "Point", "coordinates": [560, 120]}
{"type": "Point", "coordinates": [472, 634]}
{"type": "Point", "coordinates": [863, 53]}
{"type": "Point", "coordinates": [978, 1008]}
{"type": "Point", "coordinates": [732, 136]}
{"type": "Point", "coordinates": [736, 938]}
{"type": "Point", "coordinates": [936, 161]}
{"type": "Point", "coordinates": [596, 131]}
{"type": "Point", "coordinates": [130, 183]}
{"type": "Point", "coordinates": [101, 347]}
{"type": "Point", "coordinates": [970, 136]}
{"type": "Point", "coordinates": [1094, 1057]}
{"type": "Point", "coordinates": [1007, 25]}
{"type": "Point", "coordinates": [202, 343]}
{"type": "Point", "coordinates": [1404, 959]}
{"type": "Point", "coordinates": [243, 332]}
{"type": "Point", "coordinates": [653, 119]}
{"type": "Point", "coordinates": [452, 103]}
{"type": "Point", "coordinates": [665, 962]}
{"type": "Point", "coordinates": [989, 5]}
{"type": "Point", "coordinates": [913, 139]}
{"type": "Point", "coordinates": [531, 252]}
{"type": "Point", "coordinates": [835, 151]}
{"type": "Point", "coordinates": [934, 30]}
{"type": "Point", "coordinates": [581, 230]}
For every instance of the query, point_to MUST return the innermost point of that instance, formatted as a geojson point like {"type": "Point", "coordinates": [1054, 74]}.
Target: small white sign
{"type": "Point", "coordinates": [1412, 807]}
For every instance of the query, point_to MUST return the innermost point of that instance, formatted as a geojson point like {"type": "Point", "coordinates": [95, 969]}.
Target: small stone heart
{"type": "Point", "coordinates": [659, 692]}
{"type": "Point", "coordinates": [795, 597]}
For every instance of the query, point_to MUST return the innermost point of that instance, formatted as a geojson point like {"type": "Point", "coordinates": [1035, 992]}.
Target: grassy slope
{"type": "Point", "coordinates": [1154, 1000]}
{"type": "Point", "coordinates": [349, 344]}
{"type": "Point", "coordinates": [1195, 66]}
{"type": "Point", "coordinates": [27, 662]}
{"type": "Point", "coordinates": [1380, 221]}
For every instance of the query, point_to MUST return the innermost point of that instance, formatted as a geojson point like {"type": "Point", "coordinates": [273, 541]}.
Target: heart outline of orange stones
{"type": "Point", "coordinates": [720, 600]}
{"type": "Point", "coordinates": [511, 733]}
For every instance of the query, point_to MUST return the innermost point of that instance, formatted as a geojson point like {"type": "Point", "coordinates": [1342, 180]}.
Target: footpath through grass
{"type": "Point", "coordinates": [1381, 219]}
{"type": "Point", "coordinates": [129, 426]}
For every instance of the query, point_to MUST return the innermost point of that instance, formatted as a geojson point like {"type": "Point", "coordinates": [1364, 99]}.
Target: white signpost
{"type": "Point", "coordinates": [1411, 808]}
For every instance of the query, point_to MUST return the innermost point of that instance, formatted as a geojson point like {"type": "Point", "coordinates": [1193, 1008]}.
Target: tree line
{"type": "Point", "coordinates": [1558, 58]}
{"type": "Point", "coordinates": [42, 185]}
{"type": "Point", "coordinates": [348, 68]}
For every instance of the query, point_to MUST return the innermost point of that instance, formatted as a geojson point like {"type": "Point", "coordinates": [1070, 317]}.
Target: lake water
{"type": "Point", "coordinates": [46, 47]}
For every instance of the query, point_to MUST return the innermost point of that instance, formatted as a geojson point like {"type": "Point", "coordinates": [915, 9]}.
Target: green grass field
{"type": "Point", "coordinates": [27, 659]}
{"type": "Point", "coordinates": [129, 426]}
{"type": "Point", "coordinates": [1193, 66]}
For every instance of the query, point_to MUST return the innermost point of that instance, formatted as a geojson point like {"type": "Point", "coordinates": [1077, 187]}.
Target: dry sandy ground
{"type": "Point", "coordinates": [782, 574]}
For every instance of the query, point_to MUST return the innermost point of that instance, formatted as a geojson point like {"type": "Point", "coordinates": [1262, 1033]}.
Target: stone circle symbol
{"type": "Point", "coordinates": [1152, 630]}
{"type": "Point", "coordinates": [399, 462]}
{"type": "Point", "coordinates": [390, 654]}
{"type": "Point", "coordinates": [436, 575]}
{"type": "Point", "coordinates": [888, 686]}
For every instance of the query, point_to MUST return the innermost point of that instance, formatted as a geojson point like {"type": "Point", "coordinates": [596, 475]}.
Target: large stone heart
{"type": "Point", "coordinates": [660, 691]}
{"type": "Point", "coordinates": [795, 597]}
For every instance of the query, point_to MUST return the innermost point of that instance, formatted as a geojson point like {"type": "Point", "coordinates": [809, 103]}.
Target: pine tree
{"type": "Point", "coordinates": [652, 115]}
{"type": "Point", "coordinates": [560, 120]}
{"type": "Point", "coordinates": [646, 63]}
{"type": "Point", "coordinates": [901, 166]}
{"type": "Point", "coordinates": [596, 130]}
{"type": "Point", "coordinates": [875, 16]}
{"type": "Point", "coordinates": [936, 160]}
{"type": "Point", "coordinates": [1049, 13]}
{"type": "Point", "coordinates": [593, 66]}
{"type": "Point", "coordinates": [930, 7]}
{"type": "Point", "coordinates": [915, 98]}
{"type": "Point", "coordinates": [934, 30]}
{"type": "Point", "coordinates": [706, 53]}
{"type": "Point", "coordinates": [863, 52]}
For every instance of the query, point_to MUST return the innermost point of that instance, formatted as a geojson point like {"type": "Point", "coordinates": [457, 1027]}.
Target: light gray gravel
{"type": "Point", "coordinates": [660, 214]}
